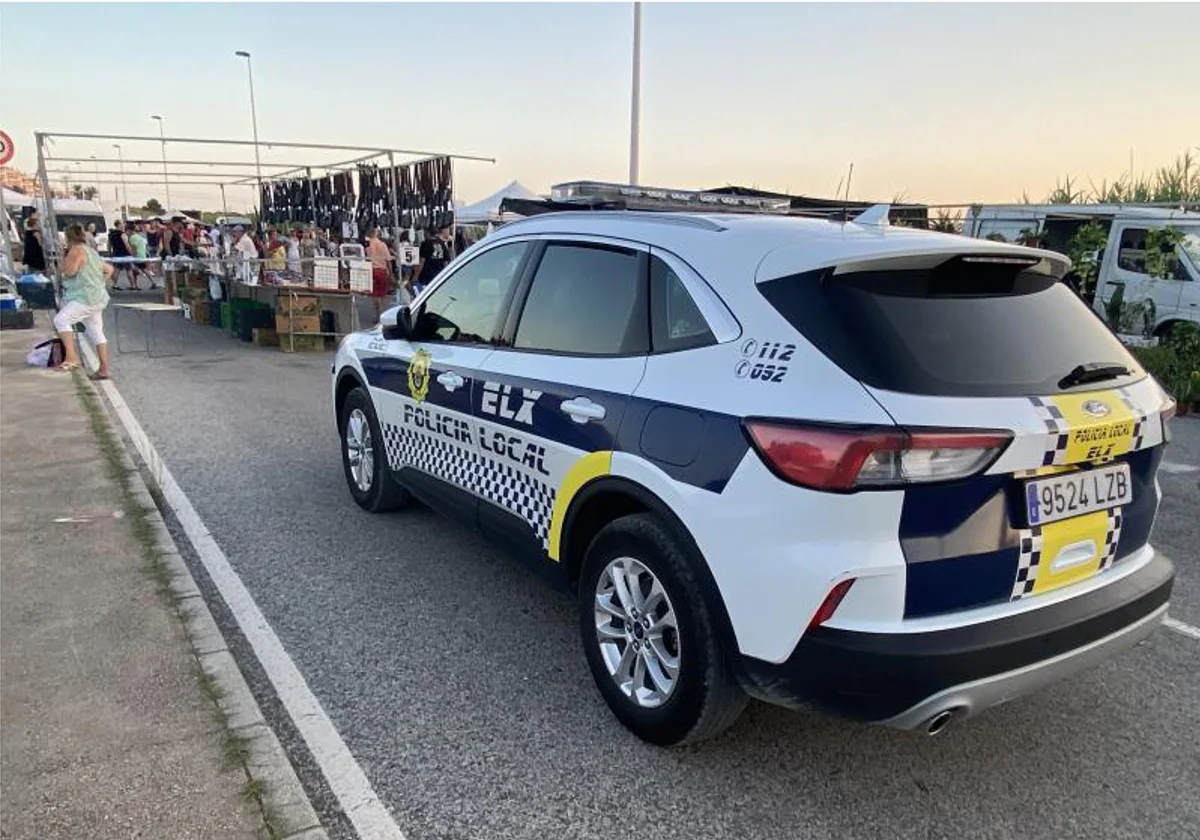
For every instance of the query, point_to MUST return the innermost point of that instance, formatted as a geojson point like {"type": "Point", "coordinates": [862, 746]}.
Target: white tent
{"type": "Point", "coordinates": [488, 210]}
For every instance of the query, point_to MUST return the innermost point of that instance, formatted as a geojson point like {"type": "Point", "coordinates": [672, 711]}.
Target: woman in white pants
{"type": "Point", "coordinates": [85, 280]}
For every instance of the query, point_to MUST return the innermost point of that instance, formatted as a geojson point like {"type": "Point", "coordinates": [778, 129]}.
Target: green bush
{"type": "Point", "coordinates": [1159, 362]}
{"type": "Point", "coordinates": [1176, 362]}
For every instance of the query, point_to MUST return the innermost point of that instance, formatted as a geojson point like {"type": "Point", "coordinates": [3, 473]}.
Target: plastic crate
{"type": "Point", "coordinates": [325, 273]}
{"type": "Point", "coordinates": [360, 276]}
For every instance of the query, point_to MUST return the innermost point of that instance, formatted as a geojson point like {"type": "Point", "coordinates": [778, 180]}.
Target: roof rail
{"type": "Point", "coordinates": [640, 216]}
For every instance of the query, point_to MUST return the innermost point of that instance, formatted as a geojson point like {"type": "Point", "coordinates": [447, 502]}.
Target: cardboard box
{"type": "Point", "coordinates": [266, 338]}
{"type": "Point", "coordinates": [297, 324]}
{"type": "Point", "coordinates": [201, 311]}
{"type": "Point", "coordinates": [301, 343]}
{"type": "Point", "coordinates": [302, 305]}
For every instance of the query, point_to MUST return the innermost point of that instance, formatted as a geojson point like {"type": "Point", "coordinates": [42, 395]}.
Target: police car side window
{"type": "Point", "coordinates": [676, 320]}
{"type": "Point", "coordinates": [586, 300]}
{"type": "Point", "coordinates": [468, 306]}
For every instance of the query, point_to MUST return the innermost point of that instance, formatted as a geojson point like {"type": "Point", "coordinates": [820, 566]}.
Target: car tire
{"type": "Point", "coordinates": [364, 459]}
{"type": "Point", "coordinates": [703, 697]}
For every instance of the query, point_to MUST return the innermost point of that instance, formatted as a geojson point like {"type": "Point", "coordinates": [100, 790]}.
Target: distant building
{"type": "Point", "coordinates": [18, 181]}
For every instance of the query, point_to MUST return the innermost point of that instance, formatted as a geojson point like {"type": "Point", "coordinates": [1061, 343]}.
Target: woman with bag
{"type": "Point", "coordinates": [85, 278]}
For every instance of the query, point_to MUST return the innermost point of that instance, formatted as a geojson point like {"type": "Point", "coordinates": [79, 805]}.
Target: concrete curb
{"type": "Point", "coordinates": [283, 797]}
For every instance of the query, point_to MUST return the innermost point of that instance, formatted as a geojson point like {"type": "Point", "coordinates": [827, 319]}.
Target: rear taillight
{"type": "Point", "coordinates": [846, 458]}
{"type": "Point", "coordinates": [1166, 415]}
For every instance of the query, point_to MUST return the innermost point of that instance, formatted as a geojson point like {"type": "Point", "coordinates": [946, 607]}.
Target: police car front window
{"type": "Point", "coordinates": [468, 305]}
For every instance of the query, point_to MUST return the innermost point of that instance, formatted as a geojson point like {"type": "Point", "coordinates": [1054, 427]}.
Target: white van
{"type": "Point", "coordinates": [1123, 259]}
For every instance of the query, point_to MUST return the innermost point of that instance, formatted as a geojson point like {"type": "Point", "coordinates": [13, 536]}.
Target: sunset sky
{"type": "Point", "coordinates": [943, 103]}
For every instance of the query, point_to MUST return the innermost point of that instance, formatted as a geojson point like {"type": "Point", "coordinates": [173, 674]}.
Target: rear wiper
{"type": "Point", "coordinates": [1093, 372]}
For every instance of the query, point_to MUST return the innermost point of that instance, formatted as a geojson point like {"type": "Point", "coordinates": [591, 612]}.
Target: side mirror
{"type": "Point", "coordinates": [396, 323]}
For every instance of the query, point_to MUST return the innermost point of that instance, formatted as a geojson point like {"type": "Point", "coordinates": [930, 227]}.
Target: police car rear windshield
{"type": "Point", "coordinates": [960, 329]}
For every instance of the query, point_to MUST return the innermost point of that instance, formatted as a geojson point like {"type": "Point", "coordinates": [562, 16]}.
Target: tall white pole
{"type": "Point", "coordinates": [635, 105]}
{"type": "Point", "coordinates": [124, 191]}
{"type": "Point", "coordinates": [162, 137]}
{"type": "Point", "coordinates": [254, 122]}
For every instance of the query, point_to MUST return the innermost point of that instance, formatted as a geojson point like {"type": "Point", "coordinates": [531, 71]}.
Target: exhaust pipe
{"type": "Point", "coordinates": [941, 720]}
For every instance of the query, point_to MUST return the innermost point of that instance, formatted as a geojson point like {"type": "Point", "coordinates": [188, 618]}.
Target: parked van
{"type": "Point", "coordinates": [1123, 259]}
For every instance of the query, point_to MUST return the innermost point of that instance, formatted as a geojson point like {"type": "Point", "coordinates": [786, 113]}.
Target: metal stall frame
{"type": "Point", "coordinates": [53, 250]}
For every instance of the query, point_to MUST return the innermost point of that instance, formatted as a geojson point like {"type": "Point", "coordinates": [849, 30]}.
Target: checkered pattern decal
{"type": "Point", "coordinates": [1028, 562]}
{"type": "Point", "coordinates": [1139, 419]}
{"type": "Point", "coordinates": [1112, 536]}
{"type": "Point", "coordinates": [1057, 427]}
{"type": "Point", "coordinates": [519, 492]}
{"type": "Point", "coordinates": [501, 483]}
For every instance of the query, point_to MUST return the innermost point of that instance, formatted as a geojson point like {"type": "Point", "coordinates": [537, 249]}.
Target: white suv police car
{"type": "Point", "coordinates": [890, 474]}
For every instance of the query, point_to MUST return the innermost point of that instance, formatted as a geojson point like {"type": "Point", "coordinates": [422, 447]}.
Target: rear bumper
{"type": "Point", "coordinates": [903, 679]}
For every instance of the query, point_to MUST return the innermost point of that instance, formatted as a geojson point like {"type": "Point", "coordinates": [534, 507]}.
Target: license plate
{"type": "Point", "coordinates": [1074, 494]}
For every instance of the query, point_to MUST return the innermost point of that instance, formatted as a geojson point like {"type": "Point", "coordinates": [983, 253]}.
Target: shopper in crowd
{"type": "Point", "coordinates": [153, 238]}
{"type": "Point", "coordinates": [381, 258]}
{"type": "Point", "coordinates": [276, 251]}
{"type": "Point", "coordinates": [381, 273]}
{"type": "Point", "coordinates": [293, 251]}
{"type": "Point", "coordinates": [35, 256]}
{"type": "Point", "coordinates": [171, 244]}
{"type": "Point", "coordinates": [186, 231]}
{"type": "Point", "coordinates": [308, 252]}
{"type": "Point", "coordinates": [90, 233]}
{"type": "Point", "coordinates": [120, 251]}
{"type": "Point", "coordinates": [85, 277]}
{"type": "Point", "coordinates": [137, 244]}
{"type": "Point", "coordinates": [246, 252]}
{"type": "Point", "coordinates": [436, 251]}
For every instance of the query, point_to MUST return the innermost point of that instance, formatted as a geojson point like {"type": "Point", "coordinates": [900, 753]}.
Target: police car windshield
{"type": "Point", "coordinates": [956, 330]}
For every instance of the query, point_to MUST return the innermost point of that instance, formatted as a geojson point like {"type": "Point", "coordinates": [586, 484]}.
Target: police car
{"type": "Point", "coordinates": [885, 473]}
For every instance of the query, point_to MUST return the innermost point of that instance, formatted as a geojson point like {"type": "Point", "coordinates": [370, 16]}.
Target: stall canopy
{"type": "Point", "coordinates": [488, 210]}
{"type": "Point", "coordinates": [13, 198]}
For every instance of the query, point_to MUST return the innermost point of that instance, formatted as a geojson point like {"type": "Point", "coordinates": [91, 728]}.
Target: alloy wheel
{"type": "Point", "coordinates": [360, 451]}
{"type": "Point", "coordinates": [637, 632]}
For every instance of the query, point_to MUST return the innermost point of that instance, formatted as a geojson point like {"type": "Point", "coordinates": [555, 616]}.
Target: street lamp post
{"type": "Point", "coordinates": [96, 166]}
{"type": "Point", "coordinates": [635, 104]}
{"type": "Point", "coordinates": [124, 192]}
{"type": "Point", "coordinates": [162, 137]}
{"type": "Point", "coordinates": [254, 123]}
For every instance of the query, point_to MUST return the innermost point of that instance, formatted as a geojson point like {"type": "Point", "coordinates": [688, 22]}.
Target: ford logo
{"type": "Point", "coordinates": [1096, 408]}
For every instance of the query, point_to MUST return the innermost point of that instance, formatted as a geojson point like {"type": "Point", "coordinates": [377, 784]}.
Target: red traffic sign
{"type": "Point", "coordinates": [6, 148]}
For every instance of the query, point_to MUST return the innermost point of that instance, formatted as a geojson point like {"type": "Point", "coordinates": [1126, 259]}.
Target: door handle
{"type": "Point", "coordinates": [581, 410]}
{"type": "Point", "coordinates": [451, 381]}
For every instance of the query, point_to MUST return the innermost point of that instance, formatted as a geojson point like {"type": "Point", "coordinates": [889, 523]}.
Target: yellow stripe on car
{"type": "Point", "coordinates": [588, 467]}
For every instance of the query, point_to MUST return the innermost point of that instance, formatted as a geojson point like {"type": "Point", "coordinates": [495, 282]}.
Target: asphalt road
{"type": "Point", "coordinates": [456, 679]}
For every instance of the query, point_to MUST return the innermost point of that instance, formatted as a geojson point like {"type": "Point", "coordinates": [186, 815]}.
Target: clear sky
{"type": "Point", "coordinates": [959, 102]}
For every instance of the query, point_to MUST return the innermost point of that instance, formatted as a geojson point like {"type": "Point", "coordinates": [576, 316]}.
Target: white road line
{"type": "Point", "coordinates": [1181, 627]}
{"type": "Point", "coordinates": [369, 816]}
{"type": "Point", "coordinates": [1174, 468]}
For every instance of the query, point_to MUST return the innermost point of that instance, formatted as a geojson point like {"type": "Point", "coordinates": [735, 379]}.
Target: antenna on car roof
{"type": "Point", "coordinates": [874, 216]}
